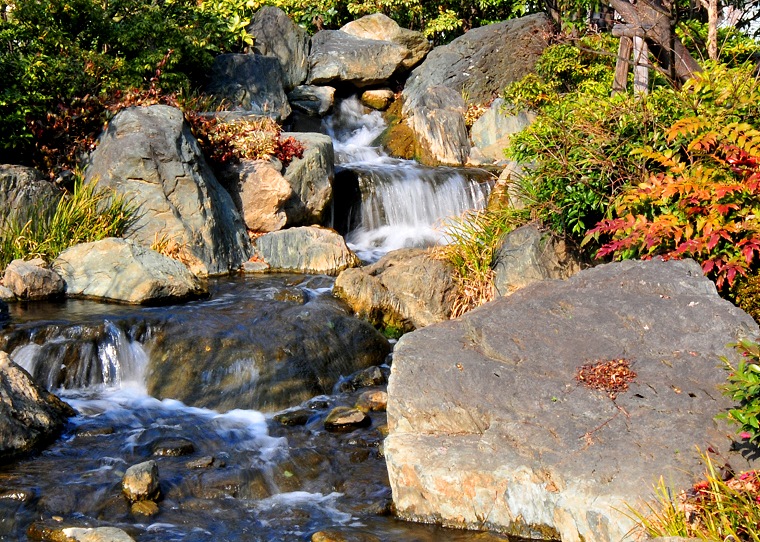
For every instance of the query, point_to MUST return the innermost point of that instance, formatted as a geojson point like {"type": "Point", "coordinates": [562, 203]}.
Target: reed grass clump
{"type": "Point", "coordinates": [83, 215]}
{"type": "Point", "coordinates": [713, 509]}
{"type": "Point", "coordinates": [473, 239]}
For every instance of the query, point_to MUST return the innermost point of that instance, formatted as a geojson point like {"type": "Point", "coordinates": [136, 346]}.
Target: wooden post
{"type": "Point", "coordinates": [640, 66]}
{"type": "Point", "coordinates": [621, 67]}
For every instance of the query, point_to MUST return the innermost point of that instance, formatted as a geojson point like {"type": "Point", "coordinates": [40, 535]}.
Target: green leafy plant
{"type": "Point", "coordinates": [713, 509]}
{"type": "Point", "coordinates": [84, 215]}
{"type": "Point", "coordinates": [744, 387]}
{"type": "Point", "coordinates": [473, 239]}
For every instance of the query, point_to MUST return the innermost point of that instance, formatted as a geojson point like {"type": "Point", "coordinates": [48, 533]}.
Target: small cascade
{"type": "Point", "coordinates": [383, 203]}
{"type": "Point", "coordinates": [80, 356]}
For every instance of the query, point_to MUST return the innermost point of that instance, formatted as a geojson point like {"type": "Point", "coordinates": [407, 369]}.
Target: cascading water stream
{"type": "Point", "coordinates": [401, 203]}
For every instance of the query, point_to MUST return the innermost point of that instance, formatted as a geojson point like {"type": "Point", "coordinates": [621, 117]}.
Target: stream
{"type": "Point", "coordinates": [182, 385]}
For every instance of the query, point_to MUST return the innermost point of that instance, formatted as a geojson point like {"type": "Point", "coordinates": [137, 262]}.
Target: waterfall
{"type": "Point", "coordinates": [384, 203]}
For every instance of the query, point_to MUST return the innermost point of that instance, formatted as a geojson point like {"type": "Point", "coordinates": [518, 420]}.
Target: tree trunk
{"type": "Point", "coordinates": [655, 23]}
{"type": "Point", "coordinates": [712, 28]}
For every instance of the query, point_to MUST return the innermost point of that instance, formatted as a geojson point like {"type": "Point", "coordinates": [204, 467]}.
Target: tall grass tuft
{"type": "Point", "coordinates": [83, 215]}
{"type": "Point", "coordinates": [714, 509]}
{"type": "Point", "coordinates": [473, 240]}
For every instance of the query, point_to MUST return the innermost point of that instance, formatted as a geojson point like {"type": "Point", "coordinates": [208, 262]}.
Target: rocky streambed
{"type": "Point", "coordinates": [232, 473]}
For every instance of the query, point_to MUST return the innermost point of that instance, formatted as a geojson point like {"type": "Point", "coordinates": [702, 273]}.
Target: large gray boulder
{"type": "Point", "coordinates": [149, 155]}
{"type": "Point", "coordinates": [437, 121]}
{"type": "Point", "coordinates": [252, 83]}
{"type": "Point", "coordinates": [276, 35]}
{"type": "Point", "coordinates": [308, 249]}
{"type": "Point", "coordinates": [527, 255]}
{"type": "Point", "coordinates": [30, 417]}
{"type": "Point", "coordinates": [492, 132]}
{"type": "Point", "coordinates": [25, 195]}
{"type": "Point", "coordinates": [121, 270]}
{"type": "Point", "coordinates": [378, 26]}
{"type": "Point", "coordinates": [310, 178]}
{"type": "Point", "coordinates": [260, 193]}
{"type": "Point", "coordinates": [338, 57]}
{"type": "Point", "coordinates": [406, 289]}
{"type": "Point", "coordinates": [32, 280]}
{"type": "Point", "coordinates": [489, 425]}
{"type": "Point", "coordinates": [480, 63]}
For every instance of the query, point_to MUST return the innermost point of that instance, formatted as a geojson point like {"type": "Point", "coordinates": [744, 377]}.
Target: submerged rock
{"type": "Point", "coordinates": [405, 289]}
{"type": "Point", "coordinates": [149, 156]}
{"type": "Point", "coordinates": [30, 417]}
{"type": "Point", "coordinates": [121, 270]}
{"type": "Point", "coordinates": [489, 425]}
{"type": "Point", "coordinates": [95, 534]}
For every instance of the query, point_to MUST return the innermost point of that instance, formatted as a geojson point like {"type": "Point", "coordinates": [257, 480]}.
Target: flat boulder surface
{"type": "Point", "coordinates": [490, 426]}
{"type": "Point", "coordinates": [308, 249]}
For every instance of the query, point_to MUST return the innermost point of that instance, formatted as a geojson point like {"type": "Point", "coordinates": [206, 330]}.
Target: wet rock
{"type": "Point", "coordinates": [527, 255]}
{"type": "Point", "coordinates": [32, 280]}
{"type": "Point", "coordinates": [346, 419]}
{"type": "Point", "coordinates": [405, 289]}
{"type": "Point", "coordinates": [6, 294]}
{"type": "Point", "coordinates": [91, 432]}
{"type": "Point", "coordinates": [373, 400]}
{"type": "Point", "coordinates": [480, 63]}
{"type": "Point", "coordinates": [205, 462]}
{"type": "Point", "coordinates": [176, 447]}
{"type": "Point", "coordinates": [310, 178]}
{"type": "Point", "coordinates": [25, 194]}
{"type": "Point", "coordinates": [253, 83]}
{"type": "Point", "coordinates": [254, 266]}
{"type": "Point", "coordinates": [313, 100]}
{"type": "Point", "coordinates": [140, 482]}
{"type": "Point", "coordinates": [279, 356]}
{"type": "Point", "coordinates": [533, 443]}
{"type": "Point", "coordinates": [437, 120]}
{"type": "Point", "coordinates": [30, 417]}
{"type": "Point", "coordinates": [338, 57]}
{"type": "Point", "coordinates": [149, 155]}
{"type": "Point", "coordinates": [18, 495]}
{"type": "Point", "coordinates": [121, 270]}
{"type": "Point", "coordinates": [144, 508]}
{"type": "Point", "coordinates": [371, 376]}
{"type": "Point", "coordinates": [379, 99]}
{"type": "Point", "coordinates": [96, 534]}
{"type": "Point", "coordinates": [260, 193]}
{"type": "Point", "coordinates": [308, 249]}
{"type": "Point", "coordinates": [343, 535]}
{"type": "Point", "coordinates": [299, 416]}
{"type": "Point", "coordinates": [491, 132]}
{"type": "Point", "coordinates": [275, 34]}
{"type": "Point", "coordinates": [378, 26]}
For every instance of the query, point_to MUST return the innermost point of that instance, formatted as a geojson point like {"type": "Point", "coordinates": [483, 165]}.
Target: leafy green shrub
{"type": "Point", "coordinates": [733, 46]}
{"type": "Point", "coordinates": [86, 214]}
{"type": "Point", "coordinates": [55, 53]}
{"type": "Point", "coordinates": [744, 387]}
{"type": "Point", "coordinates": [746, 295]}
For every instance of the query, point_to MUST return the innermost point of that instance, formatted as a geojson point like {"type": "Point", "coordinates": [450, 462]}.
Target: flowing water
{"type": "Point", "coordinates": [231, 472]}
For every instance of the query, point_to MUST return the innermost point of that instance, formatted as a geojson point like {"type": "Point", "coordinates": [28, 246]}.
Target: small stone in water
{"type": "Point", "coordinates": [140, 482]}
{"type": "Point", "coordinates": [345, 419]}
{"type": "Point", "coordinates": [294, 417]}
{"type": "Point", "coordinates": [99, 534]}
{"type": "Point", "coordinates": [372, 400]}
{"type": "Point", "coordinates": [85, 432]}
{"type": "Point", "coordinates": [334, 535]}
{"type": "Point", "coordinates": [173, 448]}
{"type": "Point", "coordinates": [371, 376]}
{"type": "Point", "coordinates": [205, 462]}
{"type": "Point", "coordinates": [144, 508]}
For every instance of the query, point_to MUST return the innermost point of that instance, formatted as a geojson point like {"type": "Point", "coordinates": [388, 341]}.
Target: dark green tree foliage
{"type": "Point", "coordinates": [55, 52]}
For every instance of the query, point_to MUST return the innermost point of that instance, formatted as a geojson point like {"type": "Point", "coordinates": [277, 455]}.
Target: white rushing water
{"type": "Point", "coordinates": [404, 204]}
